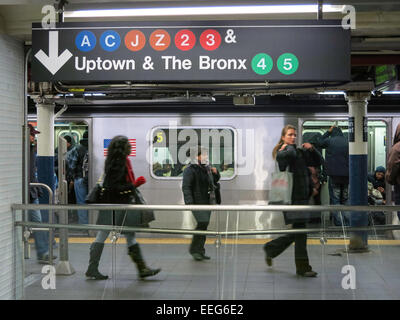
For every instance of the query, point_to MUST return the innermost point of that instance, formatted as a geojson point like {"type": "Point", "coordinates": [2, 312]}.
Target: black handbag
{"type": "Point", "coordinates": [146, 215]}
{"type": "Point", "coordinates": [96, 194]}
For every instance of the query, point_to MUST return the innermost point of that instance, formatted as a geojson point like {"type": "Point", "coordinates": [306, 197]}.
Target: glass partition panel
{"type": "Point", "coordinates": [188, 263]}
{"type": "Point", "coordinates": [237, 268]}
{"type": "Point", "coordinates": [74, 257]}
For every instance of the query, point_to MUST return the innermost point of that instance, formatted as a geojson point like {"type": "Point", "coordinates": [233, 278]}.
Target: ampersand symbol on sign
{"type": "Point", "coordinates": [230, 37]}
{"type": "Point", "coordinates": [148, 64]}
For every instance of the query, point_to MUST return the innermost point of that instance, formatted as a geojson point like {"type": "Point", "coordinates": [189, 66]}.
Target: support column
{"type": "Point", "coordinates": [358, 166]}
{"type": "Point", "coordinates": [45, 162]}
{"type": "Point", "coordinates": [45, 147]}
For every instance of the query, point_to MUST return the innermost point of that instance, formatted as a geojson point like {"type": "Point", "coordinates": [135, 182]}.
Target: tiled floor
{"type": "Point", "coordinates": [240, 273]}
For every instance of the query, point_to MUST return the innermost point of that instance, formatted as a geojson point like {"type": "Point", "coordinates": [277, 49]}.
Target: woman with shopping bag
{"type": "Point", "coordinates": [295, 162]}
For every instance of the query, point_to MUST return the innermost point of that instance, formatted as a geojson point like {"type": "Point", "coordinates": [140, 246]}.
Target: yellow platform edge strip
{"type": "Point", "coordinates": [225, 241]}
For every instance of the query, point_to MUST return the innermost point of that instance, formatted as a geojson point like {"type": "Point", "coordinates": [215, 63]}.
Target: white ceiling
{"type": "Point", "coordinates": [377, 22]}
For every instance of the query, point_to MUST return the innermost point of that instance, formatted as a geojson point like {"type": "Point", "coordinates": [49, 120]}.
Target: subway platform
{"type": "Point", "coordinates": [237, 270]}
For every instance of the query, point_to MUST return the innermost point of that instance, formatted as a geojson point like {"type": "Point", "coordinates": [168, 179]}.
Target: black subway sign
{"type": "Point", "coordinates": [195, 51]}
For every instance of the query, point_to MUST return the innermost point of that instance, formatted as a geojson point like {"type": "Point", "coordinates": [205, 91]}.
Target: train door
{"type": "Point", "coordinates": [378, 132]}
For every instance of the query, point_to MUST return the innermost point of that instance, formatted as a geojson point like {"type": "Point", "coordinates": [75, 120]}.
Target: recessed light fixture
{"type": "Point", "coordinates": [199, 11]}
{"type": "Point", "coordinates": [391, 92]}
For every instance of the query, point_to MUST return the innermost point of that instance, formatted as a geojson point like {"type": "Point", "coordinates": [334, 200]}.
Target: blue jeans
{"type": "Point", "coordinates": [102, 236]}
{"type": "Point", "coordinates": [339, 195]}
{"type": "Point", "coordinates": [81, 191]}
{"type": "Point", "coordinates": [41, 237]}
{"type": "Point", "coordinates": [397, 197]}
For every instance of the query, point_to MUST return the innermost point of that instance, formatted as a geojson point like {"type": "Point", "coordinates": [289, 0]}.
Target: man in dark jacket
{"type": "Point", "coordinates": [337, 169]}
{"type": "Point", "coordinates": [75, 161]}
{"type": "Point", "coordinates": [199, 187]}
{"type": "Point", "coordinates": [41, 237]}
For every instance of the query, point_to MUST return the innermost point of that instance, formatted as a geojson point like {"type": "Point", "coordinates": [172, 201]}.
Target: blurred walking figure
{"type": "Point", "coordinates": [297, 159]}
{"type": "Point", "coordinates": [118, 187]}
{"type": "Point", "coordinates": [200, 186]}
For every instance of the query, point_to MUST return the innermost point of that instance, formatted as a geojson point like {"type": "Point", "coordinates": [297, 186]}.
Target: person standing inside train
{"type": "Point", "coordinates": [118, 187]}
{"type": "Point", "coordinates": [392, 174]}
{"type": "Point", "coordinates": [200, 186]}
{"type": "Point", "coordinates": [298, 160]}
{"type": "Point", "coordinates": [337, 169]}
{"type": "Point", "coordinates": [75, 159]}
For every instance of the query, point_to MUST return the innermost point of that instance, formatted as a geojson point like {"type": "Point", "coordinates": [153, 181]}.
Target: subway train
{"type": "Point", "coordinates": [240, 144]}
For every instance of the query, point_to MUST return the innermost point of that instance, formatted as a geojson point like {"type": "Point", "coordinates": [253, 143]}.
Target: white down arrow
{"type": "Point", "coordinates": [53, 62]}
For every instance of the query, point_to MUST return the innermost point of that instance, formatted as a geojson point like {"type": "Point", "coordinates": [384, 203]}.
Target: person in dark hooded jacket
{"type": "Point", "coordinates": [337, 169]}
{"type": "Point", "coordinates": [378, 180]}
{"type": "Point", "coordinates": [200, 186]}
{"type": "Point", "coordinates": [392, 174]}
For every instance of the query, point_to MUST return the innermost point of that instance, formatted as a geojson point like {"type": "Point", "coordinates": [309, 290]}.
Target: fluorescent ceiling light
{"type": "Point", "coordinates": [391, 92]}
{"type": "Point", "coordinates": [94, 94]}
{"type": "Point", "coordinates": [332, 92]}
{"type": "Point", "coordinates": [198, 11]}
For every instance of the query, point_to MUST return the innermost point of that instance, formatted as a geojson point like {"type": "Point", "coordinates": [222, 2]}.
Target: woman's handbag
{"type": "Point", "coordinates": [146, 215]}
{"type": "Point", "coordinates": [96, 194]}
{"type": "Point", "coordinates": [281, 187]}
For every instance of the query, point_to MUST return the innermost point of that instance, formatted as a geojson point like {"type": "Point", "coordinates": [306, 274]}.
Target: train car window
{"type": "Point", "coordinates": [377, 130]}
{"type": "Point", "coordinates": [171, 150]}
{"type": "Point", "coordinates": [73, 129]}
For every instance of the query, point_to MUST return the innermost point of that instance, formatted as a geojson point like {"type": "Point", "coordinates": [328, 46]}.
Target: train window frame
{"type": "Point", "coordinates": [234, 144]}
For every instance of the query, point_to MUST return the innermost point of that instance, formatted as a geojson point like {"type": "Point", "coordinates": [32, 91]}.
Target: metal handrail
{"type": "Point", "coordinates": [279, 208]}
{"type": "Point", "coordinates": [51, 198]}
{"type": "Point", "coordinates": [120, 229]}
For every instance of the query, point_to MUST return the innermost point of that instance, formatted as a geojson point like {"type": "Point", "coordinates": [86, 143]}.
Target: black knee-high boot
{"type": "Point", "coordinates": [96, 250]}
{"type": "Point", "coordinates": [136, 255]}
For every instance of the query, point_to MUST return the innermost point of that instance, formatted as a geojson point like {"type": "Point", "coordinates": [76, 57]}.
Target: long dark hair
{"type": "Point", "coordinates": [115, 166]}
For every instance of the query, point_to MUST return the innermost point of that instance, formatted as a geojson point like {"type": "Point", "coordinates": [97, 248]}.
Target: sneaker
{"type": "Point", "coordinates": [205, 257]}
{"type": "Point", "coordinates": [45, 259]}
{"type": "Point", "coordinates": [268, 259]}
{"type": "Point", "coordinates": [307, 274]}
{"type": "Point", "coordinates": [197, 256]}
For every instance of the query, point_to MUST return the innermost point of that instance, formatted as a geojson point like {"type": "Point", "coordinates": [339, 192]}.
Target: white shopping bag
{"type": "Point", "coordinates": [281, 187]}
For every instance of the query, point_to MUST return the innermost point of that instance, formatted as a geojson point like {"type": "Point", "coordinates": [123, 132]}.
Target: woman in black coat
{"type": "Point", "coordinates": [298, 159]}
{"type": "Point", "coordinates": [118, 187]}
{"type": "Point", "coordinates": [200, 186]}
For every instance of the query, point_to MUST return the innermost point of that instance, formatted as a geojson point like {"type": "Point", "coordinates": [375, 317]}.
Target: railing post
{"type": "Point", "coordinates": [51, 231]}
{"type": "Point", "coordinates": [64, 267]}
{"type": "Point", "coordinates": [218, 248]}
